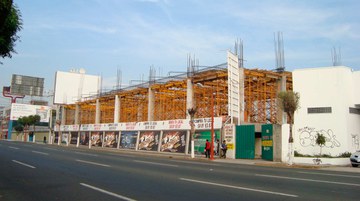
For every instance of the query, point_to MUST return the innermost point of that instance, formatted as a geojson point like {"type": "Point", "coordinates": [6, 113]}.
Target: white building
{"type": "Point", "coordinates": [330, 105]}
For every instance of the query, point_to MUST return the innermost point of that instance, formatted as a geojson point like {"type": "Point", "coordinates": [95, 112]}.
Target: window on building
{"type": "Point", "coordinates": [319, 110]}
{"type": "Point", "coordinates": [353, 110]}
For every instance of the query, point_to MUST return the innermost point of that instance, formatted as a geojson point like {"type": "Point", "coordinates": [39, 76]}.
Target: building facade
{"type": "Point", "coordinates": [329, 105]}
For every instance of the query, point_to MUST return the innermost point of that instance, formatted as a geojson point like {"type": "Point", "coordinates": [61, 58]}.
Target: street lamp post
{"type": "Point", "coordinates": [212, 120]}
{"type": "Point", "coordinates": [212, 126]}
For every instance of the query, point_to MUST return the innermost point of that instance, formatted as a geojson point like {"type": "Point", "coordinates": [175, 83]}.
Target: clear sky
{"type": "Point", "coordinates": [102, 36]}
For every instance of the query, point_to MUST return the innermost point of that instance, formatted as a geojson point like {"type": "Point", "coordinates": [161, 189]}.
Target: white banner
{"type": "Point", "coordinates": [176, 124]}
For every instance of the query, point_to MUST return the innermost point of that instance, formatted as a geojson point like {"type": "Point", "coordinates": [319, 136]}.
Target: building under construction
{"type": "Point", "coordinates": [208, 89]}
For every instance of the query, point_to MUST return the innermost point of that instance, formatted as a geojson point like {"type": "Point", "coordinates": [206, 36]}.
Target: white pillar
{"type": "Point", "coordinates": [78, 140]}
{"type": "Point", "coordinates": [117, 109]}
{"type": "Point", "coordinates": [97, 115]}
{"type": "Point", "coordinates": [190, 101]}
{"type": "Point", "coordinates": [151, 104]}
{"type": "Point", "coordinates": [89, 139]}
{"type": "Point", "coordinates": [241, 95]}
{"type": "Point", "coordinates": [77, 112]}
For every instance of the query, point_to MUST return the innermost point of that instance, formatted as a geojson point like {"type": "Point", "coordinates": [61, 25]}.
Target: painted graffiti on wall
{"type": "Point", "coordinates": [308, 137]}
{"type": "Point", "coordinates": [355, 141]}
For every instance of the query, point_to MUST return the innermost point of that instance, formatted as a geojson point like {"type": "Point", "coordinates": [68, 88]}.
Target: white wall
{"type": "Point", "coordinates": [325, 87]}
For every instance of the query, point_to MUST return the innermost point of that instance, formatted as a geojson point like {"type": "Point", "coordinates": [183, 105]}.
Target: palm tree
{"type": "Point", "coordinates": [289, 103]}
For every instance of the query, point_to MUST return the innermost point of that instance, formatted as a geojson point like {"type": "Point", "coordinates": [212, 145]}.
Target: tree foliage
{"type": "Point", "coordinates": [29, 120]}
{"type": "Point", "coordinates": [10, 24]}
{"type": "Point", "coordinates": [320, 140]}
{"type": "Point", "coordinates": [289, 102]}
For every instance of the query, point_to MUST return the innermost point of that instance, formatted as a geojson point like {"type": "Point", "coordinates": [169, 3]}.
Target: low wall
{"type": "Point", "coordinates": [325, 161]}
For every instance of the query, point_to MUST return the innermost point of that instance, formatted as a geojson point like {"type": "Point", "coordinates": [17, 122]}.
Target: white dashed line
{"type": "Point", "coordinates": [24, 164]}
{"type": "Point", "coordinates": [107, 192]}
{"type": "Point", "coordinates": [239, 187]}
{"type": "Point", "coordinates": [93, 163]}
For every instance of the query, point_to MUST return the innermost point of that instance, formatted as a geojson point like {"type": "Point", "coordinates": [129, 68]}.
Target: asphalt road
{"type": "Point", "coordinates": [50, 172]}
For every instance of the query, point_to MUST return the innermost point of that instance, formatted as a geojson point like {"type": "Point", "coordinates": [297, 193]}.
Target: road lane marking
{"type": "Point", "coordinates": [39, 152]}
{"type": "Point", "coordinates": [312, 180]}
{"type": "Point", "coordinates": [153, 163]}
{"type": "Point", "coordinates": [107, 192]}
{"type": "Point", "coordinates": [13, 147]}
{"type": "Point", "coordinates": [195, 163]}
{"type": "Point", "coordinates": [51, 148]}
{"type": "Point", "coordinates": [93, 163]}
{"type": "Point", "coordinates": [335, 175]}
{"type": "Point", "coordinates": [24, 164]}
{"type": "Point", "coordinates": [239, 187]}
{"type": "Point", "coordinates": [76, 152]}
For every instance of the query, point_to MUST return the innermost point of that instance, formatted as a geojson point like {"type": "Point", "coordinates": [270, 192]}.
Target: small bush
{"type": "Point", "coordinates": [345, 155]}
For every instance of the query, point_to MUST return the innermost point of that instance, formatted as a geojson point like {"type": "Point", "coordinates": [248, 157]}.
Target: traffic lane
{"type": "Point", "coordinates": [56, 177]}
{"type": "Point", "coordinates": [217, 179]}
{"type": "Point", "coordinates": [144, 182]}
{"type": "Point", "coordinates": [243, 169]}
{"type": "Point", "coordinates": [27, 181]}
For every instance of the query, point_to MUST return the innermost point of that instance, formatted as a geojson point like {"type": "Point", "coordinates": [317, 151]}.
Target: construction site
{"type": "Point", "coordinates": [168, 98]}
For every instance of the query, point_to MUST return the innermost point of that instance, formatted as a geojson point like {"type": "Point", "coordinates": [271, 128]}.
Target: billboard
{"type": "Point", "coordinates": [26, 85]}
{"type": "Point", "coordinates": [23, 110]}
{"type": "Point", "coordinates": [128, 139]}
{"type": "Point", "coordinates": [173, 141]}
{"type": "Point", "coordinates": [149, 140]}
{"type": "Point", "coordinates": [70, 87]}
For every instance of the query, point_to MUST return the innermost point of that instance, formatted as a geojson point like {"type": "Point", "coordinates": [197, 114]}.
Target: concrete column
{"type": "Point", "coordinates": [241, 95]}
{"type": "Point", "coordinates": [151, 105]}
{"type": "Point", "coordinates": [117, 109]}
{"type": "Point", "coordinates": [98, 112]}
{"type": "Point", "coordinates": [77, 112]}
{"type": "Point", "coordinates": [63, 115]}
{"type": "Point", "coordinates": [190, 99]}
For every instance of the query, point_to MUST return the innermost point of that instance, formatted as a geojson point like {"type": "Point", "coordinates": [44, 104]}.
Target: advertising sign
{"type": "Point", "coordinates": [96, 138]}
{"type": "Point", "coordinates": [74, 136]}
{"type": "Point", "coordinates": [128, 139]}
{"type": "Point", "coordinates": [110, 139]}
{"type": "Point", "coordinates": [84, 138]}
{"type": "Point", "coordinates": [200, 140]}
{"type": "Point", "coordinates": [173, 141]}
{"type": "Point", "coordinates": [23, 110]}
{"type": "Point", "coordinates": [64, 138]}
{"type": "Point", "coordinates": [149, 140]}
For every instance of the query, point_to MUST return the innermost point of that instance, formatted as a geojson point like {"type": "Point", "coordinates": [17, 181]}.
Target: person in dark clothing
{"type": "Point", "coordinates": [207, 149]}
{"type": "Point", "coordinates": [223, 149]}
{"type": "Point", "coordinates": [218, 147]}
{"type": "Point", "coordinates": [44, 139]}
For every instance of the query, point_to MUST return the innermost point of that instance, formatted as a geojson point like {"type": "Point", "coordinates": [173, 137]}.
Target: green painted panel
{"type": "Point", "coordinates": [267, 142]}
{"type": "Point", "coordinates": [245, 141]}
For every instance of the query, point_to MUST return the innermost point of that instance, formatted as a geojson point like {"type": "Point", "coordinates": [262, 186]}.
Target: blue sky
{"type": "Point", "coordinates": [102, 36]}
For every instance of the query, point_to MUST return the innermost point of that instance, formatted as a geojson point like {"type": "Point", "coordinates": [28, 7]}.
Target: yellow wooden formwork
{"type": "Point", "coordinates": [260, 98]}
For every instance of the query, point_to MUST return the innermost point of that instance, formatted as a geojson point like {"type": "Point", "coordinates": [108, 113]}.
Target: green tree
{"type": "Point", "coordinates": [10, 24]}
{"type": "Point", "coordinates": [289, 102]}
{"type": "Point", "coordinates": [320, 140]}
{"type": "Point", "coordinates": [28, 121]}
{"type": "Point", "coordinates": [18, 128]}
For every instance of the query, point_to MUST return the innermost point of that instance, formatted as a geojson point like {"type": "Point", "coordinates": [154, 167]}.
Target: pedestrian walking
{"type": "Point", "coordinates": [223, 149]}
{"type": "Point", "coordinates": [44, 139]}
{"type": "Point", "coordinates": [207, 149]}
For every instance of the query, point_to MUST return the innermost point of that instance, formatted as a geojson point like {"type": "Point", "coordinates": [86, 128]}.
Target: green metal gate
{"type": "Point", "coordinates": [245, 141]}
{"type": "Point", "coordinates": [267, 142]}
